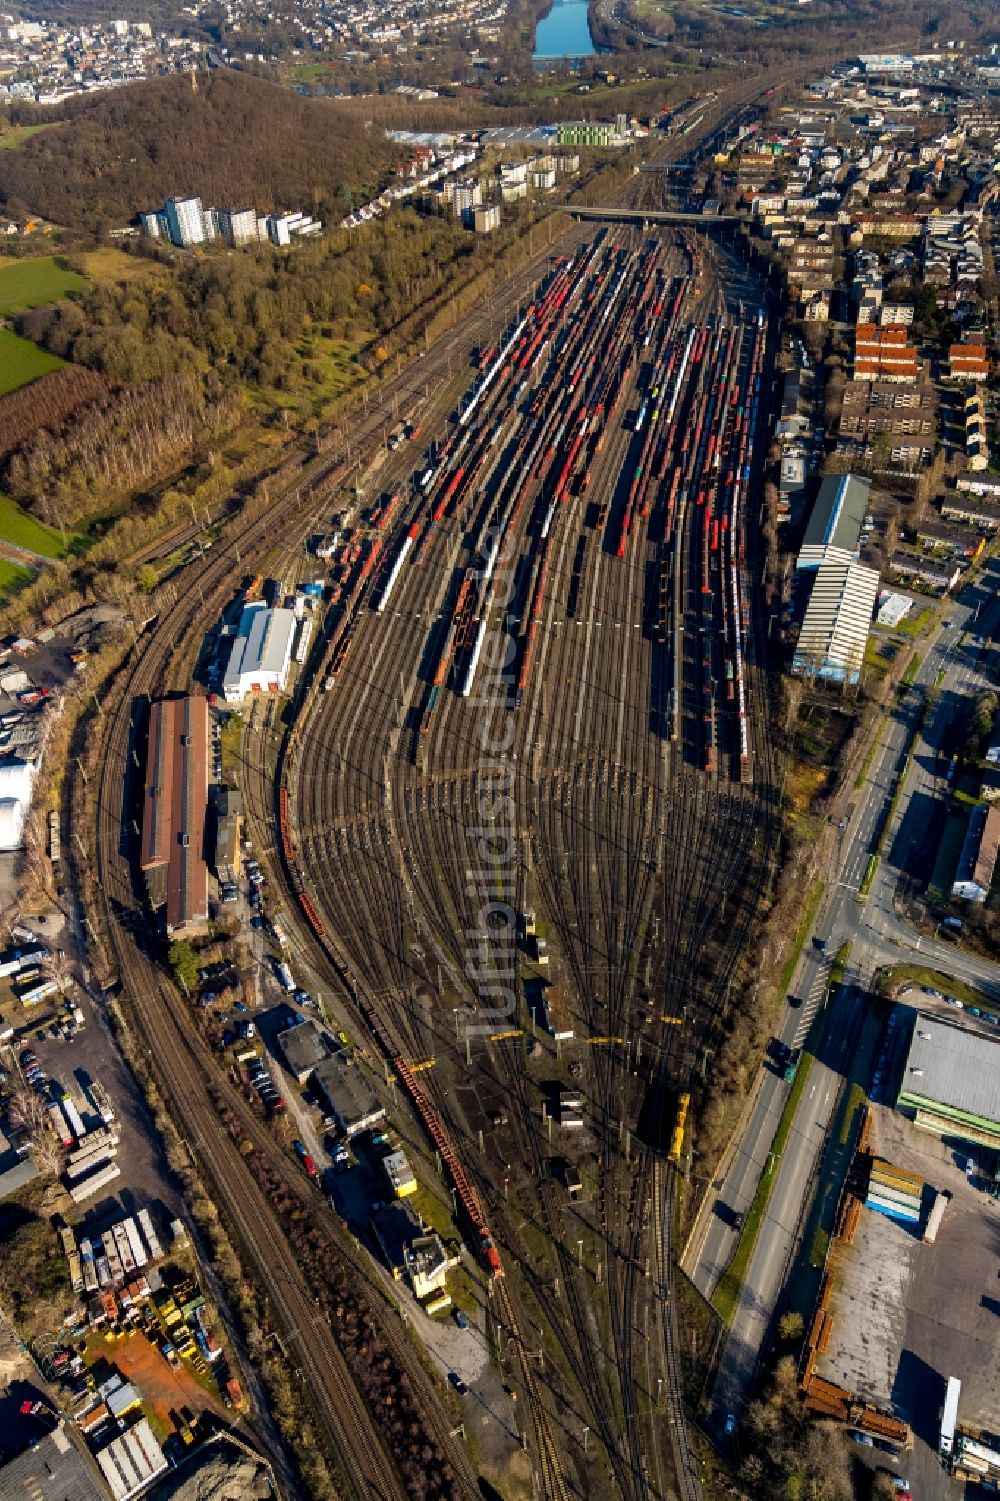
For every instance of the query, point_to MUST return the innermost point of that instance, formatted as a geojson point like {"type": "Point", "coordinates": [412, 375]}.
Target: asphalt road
{"type": "Point", "coordinates": [878, 936]}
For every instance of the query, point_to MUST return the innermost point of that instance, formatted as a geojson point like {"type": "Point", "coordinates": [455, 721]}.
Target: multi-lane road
{"type": "Point", "coordinates": [908, 746]}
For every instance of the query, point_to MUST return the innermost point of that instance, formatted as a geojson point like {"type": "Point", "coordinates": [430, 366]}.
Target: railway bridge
{"type": "Point", "coordinates": [645, 216]}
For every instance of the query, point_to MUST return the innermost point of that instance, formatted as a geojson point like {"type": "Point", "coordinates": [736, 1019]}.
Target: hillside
{"type": "Point", "coordinates": [235, 140]}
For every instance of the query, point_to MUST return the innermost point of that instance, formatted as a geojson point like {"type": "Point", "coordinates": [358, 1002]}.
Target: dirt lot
{"type": "Point", "coordinates": [165, 1389]}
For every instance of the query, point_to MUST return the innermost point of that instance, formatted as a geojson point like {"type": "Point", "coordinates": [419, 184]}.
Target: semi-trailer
{"type": "Point", "coordinates": [123, 1248]}
{"type": "Point", "coordinates": [57, 1120]}
{"type": "Point", "coordinates": [73, 1116]}
{"type": "Point", "coordinates": [949, 1416]}
{"type": "Point", "coordinates": [102, 1102]}
{"type": "Point", "coordinates": [85, 1189]}
{"type": "Point", "coordinates": [86, 1162]}
{"type": "Point", "coordinates": [146, 1226]}
{"type": "Point", "coordinates": [139, 1254]}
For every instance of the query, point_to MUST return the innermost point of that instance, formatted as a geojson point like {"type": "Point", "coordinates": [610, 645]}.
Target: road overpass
{"type": "Point", "coordinates": [652, 216]}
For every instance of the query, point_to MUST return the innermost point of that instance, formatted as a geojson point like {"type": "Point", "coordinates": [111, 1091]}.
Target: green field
{"type": "Point", "coordinates": [12, 578]}
{"type": "Point", "coordinates": [22, 362]}
{"type": "Point", "coordinates": [22, 530]}
{"type": "Point", "coordinates": [19, 133]}
{"type": "Point", "coordinates": [25, 284]}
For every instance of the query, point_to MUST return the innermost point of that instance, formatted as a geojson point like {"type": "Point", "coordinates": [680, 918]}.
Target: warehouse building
{"type": "Point", "coordinates": [347, 1095]}
{"type": "Point", "coordinates": [834, 530]}
{"type": "Point", "coordinates": [53, 1469]}
{"type": "Point", "coordinates": [131, 1462]}
{"type": "Point", "coordinates": [977, 862]}
{"type": "Point", "coordinates": [951, 1083]}
{"type": "Point", "coordinates": [175, 804]}
{"type": "Point", "coordinates": [260, 653]}
{"type": "Point", "coordinates": [17, 780]}
{"type": "Point", "coordinates": [302, 1048]}
{"type": "Point", "coordinates": [836, 623]}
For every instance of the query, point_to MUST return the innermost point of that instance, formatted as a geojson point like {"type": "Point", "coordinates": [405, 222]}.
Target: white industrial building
{"type": "Point", "coordinates": [17, 779]}
{"type": "Point", "coordinates": [835, 627]}
{"type": "Point", "coordinates": [260, 653]}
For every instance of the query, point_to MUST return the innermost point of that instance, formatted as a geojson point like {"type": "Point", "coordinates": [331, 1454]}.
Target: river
{"type": "Point", "coordinates": [564, 32]}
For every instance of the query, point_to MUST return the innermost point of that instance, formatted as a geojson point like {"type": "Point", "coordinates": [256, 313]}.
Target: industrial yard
{"type": "Point", "coordinates": [537, 685]}
{"type": "Point", "coordinates": [506, 781]}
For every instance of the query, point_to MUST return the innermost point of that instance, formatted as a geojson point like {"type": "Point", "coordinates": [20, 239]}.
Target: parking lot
{"type": "Point", "coordinates": [73, 1065]}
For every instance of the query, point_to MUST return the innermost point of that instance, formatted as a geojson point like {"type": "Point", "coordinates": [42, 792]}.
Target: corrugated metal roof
{"type": "Point", "coordinates": [131, 1461]}
{"type": "Point", "coordinates": [960, 1070]}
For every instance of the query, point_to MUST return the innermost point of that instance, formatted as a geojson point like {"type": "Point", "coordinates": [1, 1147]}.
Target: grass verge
{"type": "Point", "coordinates": [726, 1295]}
{"type": "Point", "coordinates": [933, 979]}
{"type": "Point", "coordinates": [12, 578]}
{"type": "Point", "coordinates": [866, 765]}
{"type": "Point", "coordinates": [801, 934]}
{"type": "Point", "coordinates": [838, 966]}
{"type": "Point", "coordinates": [912, 668]}
{"type": "Point", "coordinates": [869, 876]}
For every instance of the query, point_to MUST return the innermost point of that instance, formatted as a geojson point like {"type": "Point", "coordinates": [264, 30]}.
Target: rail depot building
{"type": "Point", "coordinates": [951, 1083]}
{"type": "Point", "coordinates": [174, 809]}
{"type": "Point", "coordinates": [261, 652]}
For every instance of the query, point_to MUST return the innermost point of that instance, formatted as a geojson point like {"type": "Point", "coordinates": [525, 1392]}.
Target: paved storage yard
{"type": "Point", "coordinates": [909, 1315]}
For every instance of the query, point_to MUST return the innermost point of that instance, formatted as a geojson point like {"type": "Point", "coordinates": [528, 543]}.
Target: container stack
{"type": "Point", "coordinates": [894, 1192]}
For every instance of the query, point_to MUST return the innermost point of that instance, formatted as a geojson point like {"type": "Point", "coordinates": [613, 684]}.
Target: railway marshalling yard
{"type": "Point", "coordinates": [536, 701]}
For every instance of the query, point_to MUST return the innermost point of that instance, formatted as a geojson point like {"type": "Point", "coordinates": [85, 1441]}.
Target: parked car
{"type": "Point", "coordinates": [457, 1383]}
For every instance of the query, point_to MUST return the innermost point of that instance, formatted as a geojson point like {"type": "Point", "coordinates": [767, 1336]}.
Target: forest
{"type": "Point", "coordinates": [234, 139]}
{"type": "Point", "coordinates": [244, 315]}
{"type": "Point", "coordinates": [114, 444]}
{"type": "Point", "coordinates": [158, 368]}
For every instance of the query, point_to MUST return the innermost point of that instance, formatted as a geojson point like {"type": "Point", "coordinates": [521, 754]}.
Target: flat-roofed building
{"type": "Point", "coordinates": [349, 1097]}
{"type": "Point", "coordinates": [951, 1082]}
{"type": "Point", "coordinates": [53, 1469]}
{"type": "Point", "coordinates": [977, 862]}
{"type": "Point", "coordinates": [261, 652]}
{"type": "Point", "coordinates": [302, 1048]}
{"type": "Point", "coordinates": [228, 807]}
{"type": "Point", "coordinates": [399, 1174]}
{"type": "Point", "coordinates": [175, 802]}
{"type": "Point", "coordinates": [428, 1264]}
{"type": "Point", "coordinates": [395, 1227]}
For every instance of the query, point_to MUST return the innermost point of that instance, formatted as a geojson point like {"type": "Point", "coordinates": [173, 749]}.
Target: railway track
{"type": "Point", "coordinates": [186, 1070]}
{"type": "Point", "coordinates": [377, 817]}
{"type": "Point", "coordinates": [627, 846]}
